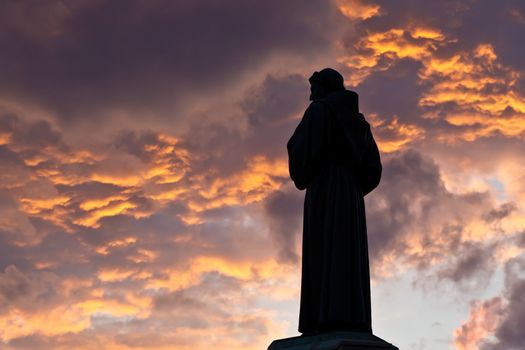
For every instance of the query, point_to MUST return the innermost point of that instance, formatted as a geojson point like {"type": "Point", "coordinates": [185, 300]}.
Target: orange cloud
{"type": "Point", "coordinates": [157, 179]}
{"type": "Point", "coordinates": [5, 138]}
{"type": "Point", "coordinates": [92, 218]}
{"type": "Point", "coordinates": [468, 80]}
{"type": "Point", "coordinates": [191, 274]}
{"type": "Point", "coordinates": [356, 9]}
{"type": "Point", "coordinates": [138, 307]}
{"type": "Point", "coordinates": [394, 135]}
{"type": "Point", "coordinates": [252, 184]}
{"type": "Point", "coordinates": [378, 51]}
{"type": "Point", "coordinates": [482, 322]}
{"type": "Point", "coordinates": [37, 206]}
{"type": "Point", "coordinates": [104, 250]}
{"type": "Point", "coordinates": [464, 77]}
{"type": "Point", "coordinates": [143, 255]}
{"type": "Point", "coordinates": [64, 319]}
{"type": "Point", "coordinates": [481, 89]}
{"type": "Point", "coordinates": [511, 126]}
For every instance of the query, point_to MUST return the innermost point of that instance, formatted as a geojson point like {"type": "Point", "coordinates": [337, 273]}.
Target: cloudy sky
{"type": "Point", "coordinates": [144, 192]}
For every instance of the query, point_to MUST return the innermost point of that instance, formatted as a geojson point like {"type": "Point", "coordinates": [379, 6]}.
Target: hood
{"type": "Point", "coordinates": [344, 102]}
{"type": "Point", "coordinates": [344, 107]}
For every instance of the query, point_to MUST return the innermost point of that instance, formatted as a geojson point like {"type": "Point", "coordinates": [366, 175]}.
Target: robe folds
{"type": "Point", "coordinates": [333, 155]}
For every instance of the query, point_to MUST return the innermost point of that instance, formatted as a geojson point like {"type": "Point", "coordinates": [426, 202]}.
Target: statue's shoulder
{"type": "Point", "coordinates": [320, 108]}
{"type": "Point", "coordinates": [362, 120]}
{"type": "Point", "coordinates": [316, 111]}
{"type": "Point", "coordinates": [317, 106]}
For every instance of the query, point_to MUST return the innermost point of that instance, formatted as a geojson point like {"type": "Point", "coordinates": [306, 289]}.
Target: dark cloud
{"type": "Point", "coordinates": [90, 339]}
{"type": "Point", "coordinates": [406, 177]}
{"type": "Point", "coordinates": [30, 292]}
{"type": "Point", "coordinates": [521, 239]}
{"type": "Point", "coordinates": [15, 226]}
{"type": "Point", "coordinates": [270, 109]}
{"type": "Point", "coordinates": [90, 190]}
{"type": "Point", "coordinates": [509, 333]}
{"type": "Point", "coordinates": [502, 212]}
{"type": "Point", "coordinates": [505, 36]}
{"type": "Point", "coordinates": [394, 92]}
{"type": "Point", "coordinates": [11, 254]}
{"type": "Point", "coordinates": [415, 10]}
{"type": "Point", "coordinates": [102, 55]}
{"type": "Point", "coordinates": [284, 209]}
{"type": "Point", "coordinates": [84, 59]}
{"type": "Point", "coordinates": [236, 232]}
{"type": "Point", "coordinates": [200, 301]}
{"type": "Point", "coordinates": [135, 143]}
{"type": "Point", "coordinates": [471, 266]}
{"type": "Point", "coordinates": [276, 99]}
{"type": "Point", "coordinates": [65, 253]}
{"type": "Point", "coordinates": [24, 134]}
{"type": "Point", "coordinates": [227, 156]}
{"type": "Point", "coordinates": [412, 206]}
{"type": "Point", "coordinates": [13, 171]}
{"type": "Point", "coordinates": [30, 342]}
{"type": "Point", "coordinates": [216, 297]}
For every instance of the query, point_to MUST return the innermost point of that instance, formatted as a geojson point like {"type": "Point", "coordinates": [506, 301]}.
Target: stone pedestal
{"type": "Point", "coordinates": [333, 341]}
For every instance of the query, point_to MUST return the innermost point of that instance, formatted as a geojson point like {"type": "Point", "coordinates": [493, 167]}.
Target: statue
{"type": "Point", "coordinates": [333, 155]}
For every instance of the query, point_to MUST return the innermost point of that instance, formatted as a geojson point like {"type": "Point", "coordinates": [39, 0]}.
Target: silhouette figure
{"type": "Point", "coordinates": [333, 155]}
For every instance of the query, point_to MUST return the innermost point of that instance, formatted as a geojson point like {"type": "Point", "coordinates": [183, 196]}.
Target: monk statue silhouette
{"type": "Point", "coordinates": [333, 155]}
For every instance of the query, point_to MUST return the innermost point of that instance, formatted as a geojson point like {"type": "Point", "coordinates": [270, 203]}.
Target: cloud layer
{"type": "Point", "coordinates": [144, 185]}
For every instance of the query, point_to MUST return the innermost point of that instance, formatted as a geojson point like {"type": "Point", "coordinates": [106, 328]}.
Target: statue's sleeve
{"type": "Point", "coordinates": [306, 145]}
{"type": "Point", "coordinates": [371, 164]}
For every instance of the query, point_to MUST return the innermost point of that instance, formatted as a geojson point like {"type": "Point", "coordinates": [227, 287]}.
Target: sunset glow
{"type": "Point", "coordinates": [145, 198]}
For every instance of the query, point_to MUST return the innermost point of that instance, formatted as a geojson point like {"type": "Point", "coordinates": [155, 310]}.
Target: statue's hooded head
{"type": "Point", "coordinates": [325, 82]}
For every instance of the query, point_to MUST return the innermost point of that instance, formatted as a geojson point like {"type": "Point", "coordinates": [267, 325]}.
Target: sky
{"type": "Point", "coordinates": [144, 191]}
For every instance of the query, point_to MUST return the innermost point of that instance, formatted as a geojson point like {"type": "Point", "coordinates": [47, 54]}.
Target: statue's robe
{"type": "Point", "coordinates": [333, 155]}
